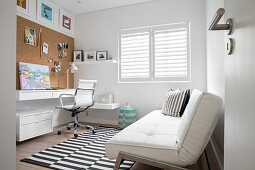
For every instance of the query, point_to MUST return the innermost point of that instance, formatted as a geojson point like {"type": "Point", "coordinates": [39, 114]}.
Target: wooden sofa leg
{"type": "Point", "coordinates": [119, 161]}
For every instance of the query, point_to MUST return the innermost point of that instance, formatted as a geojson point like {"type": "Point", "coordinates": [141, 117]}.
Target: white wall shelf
{"type": "Point", "coordinates": [106, 106]}
{"type": "Point", "coordinates": [95, 62]}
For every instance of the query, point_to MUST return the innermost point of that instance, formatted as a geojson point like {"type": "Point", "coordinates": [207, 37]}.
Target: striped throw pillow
{"type": "Point", "coordinates": [173, 103]}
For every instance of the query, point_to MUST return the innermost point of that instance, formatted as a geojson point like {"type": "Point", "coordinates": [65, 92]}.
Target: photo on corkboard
{"type": "Point", "coordinates": [30, 36]}
{"type": "Point", "coordinates": [64, 53]}
{"type": "Point", "coordinates": [60, 45]}
{"type": "Point", "coordinates": [45, 48]}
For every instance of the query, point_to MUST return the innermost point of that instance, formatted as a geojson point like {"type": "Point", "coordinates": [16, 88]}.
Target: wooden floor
{"type": "Point", "coordinates": [31, 146]}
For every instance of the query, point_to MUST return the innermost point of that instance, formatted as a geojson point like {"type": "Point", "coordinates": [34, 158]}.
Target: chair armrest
{"type": "Point", "coordinates": [61, 100]}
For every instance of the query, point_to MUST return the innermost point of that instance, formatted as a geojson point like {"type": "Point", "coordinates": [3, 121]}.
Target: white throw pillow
{"type": "Point", "coordinates": [173, 103]}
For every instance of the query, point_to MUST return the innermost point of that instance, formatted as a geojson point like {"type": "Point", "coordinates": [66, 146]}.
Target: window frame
{"type": "Point", "coordinates": [151, 30]}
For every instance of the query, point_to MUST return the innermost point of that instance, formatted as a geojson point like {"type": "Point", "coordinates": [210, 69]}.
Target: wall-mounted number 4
{"type": "Point", "coordinates": [229, 46]}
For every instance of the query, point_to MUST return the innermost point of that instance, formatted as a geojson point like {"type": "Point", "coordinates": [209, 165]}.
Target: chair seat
{"type": "Point", "coordinates": [153, 134]}
{"type": "Point", "coordinates": [68, 107]}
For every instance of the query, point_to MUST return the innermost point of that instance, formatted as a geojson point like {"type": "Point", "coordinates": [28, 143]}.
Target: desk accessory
{"type": "Point", "coordinates": [74, 69]}
{"type": "Point", "coordinates": [34, 76]}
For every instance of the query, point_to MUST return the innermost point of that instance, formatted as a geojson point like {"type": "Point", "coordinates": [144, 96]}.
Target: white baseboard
{"type": "Point", "coordinates": [60, 122]}
{"type": "Point", "coordinates": [217, 153]}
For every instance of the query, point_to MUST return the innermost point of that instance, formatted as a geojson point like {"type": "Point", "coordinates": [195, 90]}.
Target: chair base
{"type": "Point", "coordinates": [75, 125]}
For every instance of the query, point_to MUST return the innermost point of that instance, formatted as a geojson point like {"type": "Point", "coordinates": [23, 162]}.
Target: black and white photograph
{"type": "Point", "coordinates": [78, 55]}
{"type": "Point", "coordinates": [89, 55]}
{"type": "Point", "coordinates": [101, 55]}
{"type": "Point", "coordinates": [60, 46]}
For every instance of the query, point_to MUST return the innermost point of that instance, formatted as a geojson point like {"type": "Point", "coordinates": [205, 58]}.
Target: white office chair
{"type": "Point", "coordinates": [83, 99]}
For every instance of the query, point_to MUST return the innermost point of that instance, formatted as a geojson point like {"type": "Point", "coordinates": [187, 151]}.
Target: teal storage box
{"type": "Point", "coordinates": [127, 116]}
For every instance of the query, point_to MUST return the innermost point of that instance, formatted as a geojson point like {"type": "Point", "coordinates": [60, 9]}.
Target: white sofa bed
{"type": "Point", "coordinates": [172, 140]}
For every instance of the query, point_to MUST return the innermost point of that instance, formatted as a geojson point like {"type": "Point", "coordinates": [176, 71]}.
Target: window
{"type": "Point", "coordinates": [156, 53]}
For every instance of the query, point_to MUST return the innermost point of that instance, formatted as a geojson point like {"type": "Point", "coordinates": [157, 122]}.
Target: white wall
{"type": "Point", "coordinates": [215, 71]}
{"type": "Point", "coordinates": [7, 85]}
{"type": "Point", "coordinates": [98, 31]}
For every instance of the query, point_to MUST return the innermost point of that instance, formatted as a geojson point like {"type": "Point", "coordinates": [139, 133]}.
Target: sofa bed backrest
{"type": "Point", "coordinates": [197, 124]}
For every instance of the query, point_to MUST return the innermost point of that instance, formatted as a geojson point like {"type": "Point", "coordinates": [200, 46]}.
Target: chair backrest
{"type": "Point", "coordinates": [84, 96]}
{"type": "Point", "coordinates": [197, 125]}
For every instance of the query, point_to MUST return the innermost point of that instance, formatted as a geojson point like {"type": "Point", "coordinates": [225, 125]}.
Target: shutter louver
{"type": "Point", "coordinates": [159, 53]}
{"type": "Point", "coordinates": [135, 55]}
{"type": "Point", "coordinates": [171, 53]}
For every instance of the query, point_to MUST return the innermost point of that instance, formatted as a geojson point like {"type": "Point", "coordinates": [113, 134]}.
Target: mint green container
{"type": "Point", "coordinates": [127, 116]}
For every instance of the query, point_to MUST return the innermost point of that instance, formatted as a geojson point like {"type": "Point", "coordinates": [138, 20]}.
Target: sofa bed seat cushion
{"type": "Point", "coordinates": [153, 134]}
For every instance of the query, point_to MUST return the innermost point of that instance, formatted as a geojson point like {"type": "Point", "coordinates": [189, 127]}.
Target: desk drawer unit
{"type": "Point", "coordinates": [33, 124]}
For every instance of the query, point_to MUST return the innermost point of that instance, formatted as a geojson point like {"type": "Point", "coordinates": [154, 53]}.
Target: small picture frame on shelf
{"type": "Point", "coordinates": [78, 55]}
{"type": "Point", "coordinates": [101, 55]}
{"type": "Point", "coordinates": [90, 55]}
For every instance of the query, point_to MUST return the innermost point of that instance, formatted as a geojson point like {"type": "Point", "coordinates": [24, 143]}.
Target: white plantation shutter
{"type": "Point", "coordinates": [157, 53]}
{"type": "Point", "coordinates": [135, 56]}
{"type": "Point", "coordinates": [171, 53]}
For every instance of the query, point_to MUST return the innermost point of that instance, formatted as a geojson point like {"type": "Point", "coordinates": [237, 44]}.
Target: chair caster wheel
{"type": "Point", "coordinates": [59, 132]}
{"type": "Point", "coordinates": [93, 132]}
{"type": "Point", "coordinates": [75, 135]}
{"type": "Point", "coordinates": [68, 128]}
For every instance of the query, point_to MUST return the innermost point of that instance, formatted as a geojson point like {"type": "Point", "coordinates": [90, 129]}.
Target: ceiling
{"type": "Point", "coordinates": [84, 6]}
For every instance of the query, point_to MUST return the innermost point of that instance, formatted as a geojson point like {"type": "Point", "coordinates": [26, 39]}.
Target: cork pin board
{"type": "Point", "coordinates": [32, 54]}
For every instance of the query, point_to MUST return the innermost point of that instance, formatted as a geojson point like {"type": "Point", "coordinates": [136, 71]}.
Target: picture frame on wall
{"type": "Point", "coordinates": [77, 55]}
{"type": "Point", "coordinates": [46, 12]}
{"type": "Point", "coordinates": [30, 36]}
{"type": "Point", "coordinates": [23, 6]}
{"type": "Point", "coordinates": [101, 55]}
{"type": "Point", "coordinates": [66, 22]}
{"type": "Point", "coordinates": [90, 55]}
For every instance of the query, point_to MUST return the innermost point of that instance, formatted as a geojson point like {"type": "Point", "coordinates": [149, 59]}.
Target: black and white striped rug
{"type": "Point", "coordinates": [87, 151]}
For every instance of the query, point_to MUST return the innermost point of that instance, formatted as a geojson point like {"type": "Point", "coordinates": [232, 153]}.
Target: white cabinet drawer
{"type": "Point", "coordinates": [33, 124]}
{"type": "Point", "coordinates": [44, 126]}
{"type": "Point", "coordinates": [28, 131]}
{"type": "Point", "coordinates": [28, 119]}
{"type": "Point", "coordinates": [34, 95]}
{"type": "Point", "coordinates": [43, 116]}
{"type": "Point", "coordinates": [56, 94]}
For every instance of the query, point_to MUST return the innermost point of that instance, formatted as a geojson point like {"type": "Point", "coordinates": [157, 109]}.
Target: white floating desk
{"type": "Point", "coordinates": [24, 95]}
